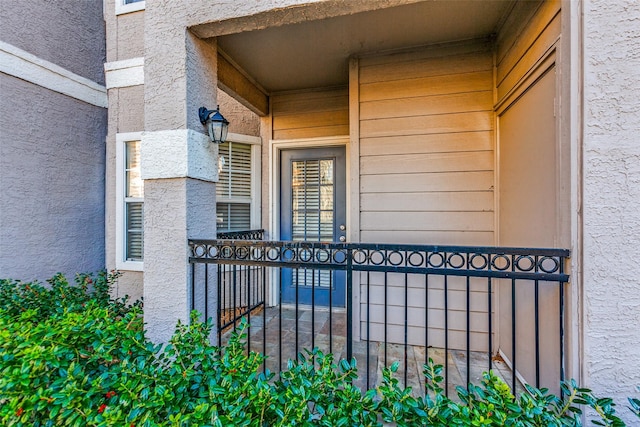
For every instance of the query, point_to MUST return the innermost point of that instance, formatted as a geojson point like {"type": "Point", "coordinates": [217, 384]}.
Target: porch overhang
{"type": "Point", "coordinates": [309, 46]}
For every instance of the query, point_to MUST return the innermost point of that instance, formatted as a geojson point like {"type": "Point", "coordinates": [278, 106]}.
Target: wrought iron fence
{"type": "Point", "coordinates": [238, 290]}
{"type": "Point", "coordinates": [474, 307]}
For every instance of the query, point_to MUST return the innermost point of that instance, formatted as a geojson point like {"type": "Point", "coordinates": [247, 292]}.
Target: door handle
{"type": "Point", "coordinates": [343, 239]}
{"type": "Point", "coordinates": [342, 227]}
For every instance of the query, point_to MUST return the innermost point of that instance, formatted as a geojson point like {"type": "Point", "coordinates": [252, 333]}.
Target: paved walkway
{"type": "Point", "coordinates": [313, 330]}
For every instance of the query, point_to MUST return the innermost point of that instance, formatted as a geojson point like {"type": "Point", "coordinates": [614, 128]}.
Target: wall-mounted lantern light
{"type": "Point", "coordinates": [216, 124]}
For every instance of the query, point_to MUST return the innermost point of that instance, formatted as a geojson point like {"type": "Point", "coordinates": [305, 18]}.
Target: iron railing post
{"type": "Point", "coordinates": [349, 304]}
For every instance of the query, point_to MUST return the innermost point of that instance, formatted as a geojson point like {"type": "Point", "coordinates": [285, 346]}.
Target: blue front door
{"type": "Point", "coordinates": [313, 209]}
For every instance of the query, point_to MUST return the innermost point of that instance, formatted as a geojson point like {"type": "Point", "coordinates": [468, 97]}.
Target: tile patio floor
{"type": "Point", "coordinates": [321, 320]}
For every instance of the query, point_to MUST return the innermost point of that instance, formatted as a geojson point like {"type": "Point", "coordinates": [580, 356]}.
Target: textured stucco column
{"type": "Point", "coordinates": [178, 164]}
{"type": "Point", "coordinates": [611, 200]}
{"type": "Point", "coordinates": [178, 168]}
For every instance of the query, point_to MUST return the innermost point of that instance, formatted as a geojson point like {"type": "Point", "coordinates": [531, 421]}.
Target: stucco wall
{"type": "Point", "coordinates": [67, 33]}
{"type": "Point", "coordinates": [52, 180]}
{"type": "Point", "coordinates": [125, 40]}
{"type": "Point", "coordinates": [241, 119]}
{"type": "Point", "coordinates": [125, 33]}
{"type": "Point", "coordinates": [270, 13]}
{"type": "Point", "coordinates": [126, 114]}
{"type": "Point", "coordinates": [611, 192]}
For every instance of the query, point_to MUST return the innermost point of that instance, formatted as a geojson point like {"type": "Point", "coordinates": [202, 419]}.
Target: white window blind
{"type": "Point", "coordinates": [234, 187]}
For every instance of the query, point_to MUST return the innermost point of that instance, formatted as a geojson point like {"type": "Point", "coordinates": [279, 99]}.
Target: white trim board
{"type": "Point", "coordinates": [129, 72]}
{"type": "Point", "coordinates": [26, 66]}
{"type": "Point", "coordinates": [245, 139]}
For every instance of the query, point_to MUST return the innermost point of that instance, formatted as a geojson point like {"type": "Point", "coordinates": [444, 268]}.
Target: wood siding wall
{"type": "Point", "coordinates": [426, 147]}
{"type": "Point", "coordinates": [427, 177]}
{"type": "Point", "coordinates": [311, 114]}
{"type": "Point", "coordinates": [520, 47]}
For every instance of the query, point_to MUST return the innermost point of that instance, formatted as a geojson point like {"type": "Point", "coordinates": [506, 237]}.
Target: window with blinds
{"type": "Point", "coordinates": [312, 185]}
{"type": "Point", "coordinates": [233, 192]}
{"type": "Point", "coordinates": [133, 203]}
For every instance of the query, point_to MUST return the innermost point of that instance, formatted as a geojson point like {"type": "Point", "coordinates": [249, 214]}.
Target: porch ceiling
{"type": "Point", "coordinates": [315, 54]}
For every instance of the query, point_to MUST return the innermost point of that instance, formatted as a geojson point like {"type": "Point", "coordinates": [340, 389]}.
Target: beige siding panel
{"type": "Point", "coordinates": [448, 181]}
{"type": "Point", "coordinates": [429, 162]}
{"type": "Point", "coordinates": [526, 63]}
{"type": "Point", "coordinates": [434, 52]}
{"type": "Point", "coordinates": [310, 114]}
{"type": "Point", "coordinates": [434, 202]}
{"type": "Point", "coordinates": [457, 318]}
{"type": "Point", "coordinates": [513, 24]}
{"type": "Point", "coordinates": [298, 106]}
{"type": "Point", "coordinates": [545, 39]}
{"type": "Point", "coordinates": [525, 330]}
{"type": "Point", "coordinates": [283, 103]}
{"type": "Point", "coordinates": [314, 119]}
{"type": "Point", "coordinates": [445, 123]}
{"type": "Point", "coordinates": [425, 133]}
{"type": "Point", "coordinates": [456, 339]}
{"type": "Point", "coordinates": [312, 132]}
{"type": "Point", "coordinates": [416, 336]}
{"type": "Point", "coordinates": [514, 45]}
{"type": "Point", "coordinates": [436, 283]}
{"type": "Point", "coordinates": [437, 221]}
{"type": "Point", "coordinates": [444, 66]}
{"type": "Point", "coordinates": [419, 237]}
{"type": "Point", "coordinates": [435, 143]}
{"type": "Point", "coordinates": [507, 35]}
{"type": "Point", "coordinates": [427, 86]}
{"type": "Point", "coordinates": [427, 105]}
{"type": "Point", "coordinates": [417, 301]}
{"type": "Point", "coordinates": [456, 299]}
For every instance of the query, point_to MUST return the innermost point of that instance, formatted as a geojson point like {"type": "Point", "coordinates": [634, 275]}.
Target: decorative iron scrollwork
{"type": "Point", "coordinates": [523, 263]}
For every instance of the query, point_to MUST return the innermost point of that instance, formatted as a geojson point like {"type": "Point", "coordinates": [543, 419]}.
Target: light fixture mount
{"type": "Point", "coordinates": [217, 125]}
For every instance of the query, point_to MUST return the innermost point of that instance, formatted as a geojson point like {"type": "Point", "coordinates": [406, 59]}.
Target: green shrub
{"type": "Point", "coordinates": [635, 406]}
{"type": "Point", "coordinates": [69, 355]}
{"type": "Point", "coordinates": [60, 296]}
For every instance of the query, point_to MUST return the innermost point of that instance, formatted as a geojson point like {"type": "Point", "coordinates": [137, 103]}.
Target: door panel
{"type": "Point", "coordinates": [529, 211]}
{"type": "Point", "coordinates": [313, 195]}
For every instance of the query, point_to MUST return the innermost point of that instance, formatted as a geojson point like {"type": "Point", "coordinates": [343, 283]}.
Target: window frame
{"type": "Point", "coordinates": [122, 8]}
{"type": "Point", "coordinates": [255, 204]}
{"type": "Point", "coordinates": [121, 262]}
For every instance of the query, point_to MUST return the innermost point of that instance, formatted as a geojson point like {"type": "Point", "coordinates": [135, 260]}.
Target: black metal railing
{"type": "Point", "coordinates": [477, 308]}
{"type": "Point", "coordinates": [239, 291]}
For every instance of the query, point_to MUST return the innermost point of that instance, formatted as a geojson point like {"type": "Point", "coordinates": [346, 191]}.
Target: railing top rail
{"type": "Point", "coordinates": [475, 261]}
{"type": "Point", "coordinates": [506, 250]}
